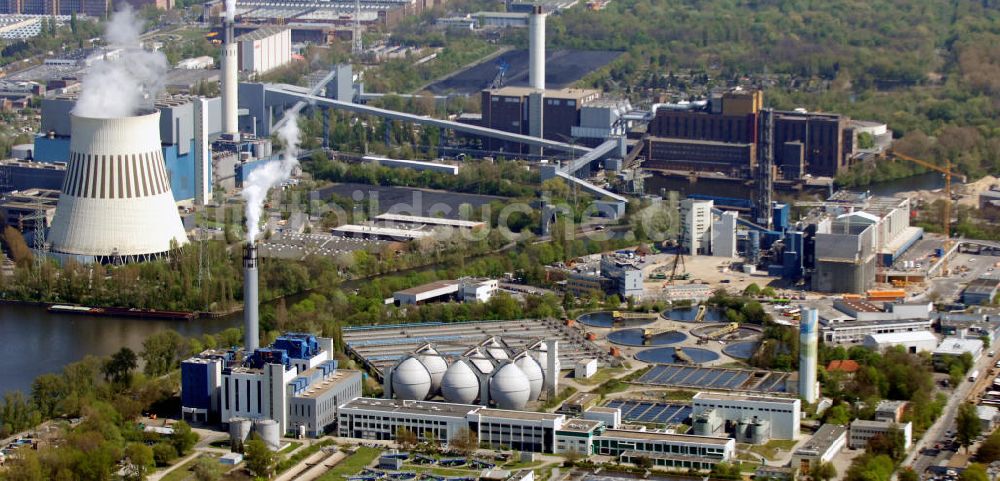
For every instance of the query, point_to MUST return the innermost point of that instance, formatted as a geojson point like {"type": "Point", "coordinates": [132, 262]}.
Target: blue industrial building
{"type": "Point", "coordinates": [294, 382]}
{"type": "Point", "coordinates": [177, 134]}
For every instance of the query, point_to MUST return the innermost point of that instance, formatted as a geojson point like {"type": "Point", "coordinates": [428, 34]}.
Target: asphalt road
{"type": "Point", "coordinates": [919, 461]}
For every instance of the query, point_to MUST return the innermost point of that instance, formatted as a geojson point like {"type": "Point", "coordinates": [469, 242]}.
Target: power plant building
{"type": "Point", "coordinates": [177, 133]}
{"type": "Point", "coordinates": [295, 383]}
{"type": "Point", "coordinates": [720, 134]}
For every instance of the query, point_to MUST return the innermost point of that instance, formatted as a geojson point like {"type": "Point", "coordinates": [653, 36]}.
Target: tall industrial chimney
{"type": "Point", "coordinates": [536, 48]}
{"type": "Point", "coordinates": [230, 85]}
{"type": "Point", "coordinates": [808, 340]}
{"type": "Point", "coordinates": [251, 320]}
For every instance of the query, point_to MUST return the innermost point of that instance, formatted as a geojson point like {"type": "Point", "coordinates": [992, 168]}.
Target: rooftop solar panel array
{"type": "Point", "coordinates": [715, 378]}
{"type": "Point", "coordinates": [651, 412]}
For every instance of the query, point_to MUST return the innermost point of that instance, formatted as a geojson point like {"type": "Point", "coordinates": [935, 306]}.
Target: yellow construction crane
{"type": "Point", "coordinates": [946, 171]}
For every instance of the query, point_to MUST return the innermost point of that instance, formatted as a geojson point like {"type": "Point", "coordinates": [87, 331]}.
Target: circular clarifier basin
{"type": "Point", "coordinates": [606, 319]}
{"type": "Point", "coordinates": [662, 355]}
{"type": "Point", "coordinates": [741, 350]}
{"type": "Point", "coordinates": [635, 337]}
{"type": "Point", "coordinates": [688, 314]}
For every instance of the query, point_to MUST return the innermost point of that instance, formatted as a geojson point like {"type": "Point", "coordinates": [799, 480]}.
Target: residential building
{"type": "Point", "coordinates": [696, 226]}
{"type": "Point", "coordinates": [863, 431]}
{"type": "Point", "coordinates": [828, 441]}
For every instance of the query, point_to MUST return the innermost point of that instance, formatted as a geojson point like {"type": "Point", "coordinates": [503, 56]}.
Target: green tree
{"type": "Point", "coordinates": [207, 469]}
{"type": "Point", "coordinates": [24, 467]}
{"type": "Point", "coordinates": [164, 453]}
{"type": "Point", "coordinates": [139, 461]}
{"type": "Point", "coordinates": [183, 438]}
{"type": "Point", "coordinates": [465, 442]}
{"type": "Point", "coordinates": [974, 472]}
{"type": "Point", "coordinates": [118, 369]}
{"type": "Point", "coordinates": [839, 414]}
{"type": "Point", "coordinates": [824, 471]}
{"type": "Point", "coordinates": [259, 458]}
{"type": "Point", "coordinates": [47, 392]}
{"type": "Point", "coordinates": [908, 474]}
{"type": "Point", "coordinates": [161, 351]}
{"type": "Point", "coordinates": [967, 424]}
{"type": "Point", "coordinates": [752, 290]}
{"type": "Point", "coordinates": [989, 451]}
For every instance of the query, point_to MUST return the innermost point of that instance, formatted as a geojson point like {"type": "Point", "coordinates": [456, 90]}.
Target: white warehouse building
{"type": "Point", "coordinates": [913, 342]}
{"type": "Point", "coordinates": [783, 414]}
{"type": "Point", "coordinates": [264, 49]}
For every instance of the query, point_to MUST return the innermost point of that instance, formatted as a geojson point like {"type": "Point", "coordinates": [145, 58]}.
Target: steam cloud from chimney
{"type": "Point", "coordinates": [263, 178]}
{"type": "Point", "coordinates": [118, 87]}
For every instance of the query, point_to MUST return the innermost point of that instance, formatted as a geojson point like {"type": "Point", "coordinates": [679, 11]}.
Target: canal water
{"type": "Point", "coordinates": [36, 341]}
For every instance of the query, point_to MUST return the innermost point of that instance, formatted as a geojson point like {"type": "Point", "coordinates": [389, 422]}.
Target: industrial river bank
{"type": "Point", "coordinates": [38, 341]}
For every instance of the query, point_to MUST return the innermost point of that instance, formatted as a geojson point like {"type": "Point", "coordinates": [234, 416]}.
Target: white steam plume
{"type": "Point", "coordinates": [118, 87]}
{"type": "Point", "coordinates": [263, 178]}
{"type": "Point", "coordinates": [230, 10]}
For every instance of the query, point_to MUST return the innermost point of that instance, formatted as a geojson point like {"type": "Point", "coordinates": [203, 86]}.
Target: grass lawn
{"type": "Point", "coordinates": [352, 465]}
{"type": "Point", "coordinates": [292, 446]}
{"type": "Point", "coordinates": [519, 465]}
{"type": "Point", "coordinates": [183, 472]}
{"type": "Point", "coordinates": [601, 376]}
{"type": "Point", "coordinates": [770, 450]}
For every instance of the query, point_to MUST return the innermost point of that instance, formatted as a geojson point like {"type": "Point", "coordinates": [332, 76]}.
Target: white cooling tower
{"type": "Point", "coordinates": [116, 200]}
{"type": "Point", "coordinates": [460, 384]}
{"type": "Point", "coordinates": [509, 387]}
{"type": "Point", "coordinates": [410, 380]}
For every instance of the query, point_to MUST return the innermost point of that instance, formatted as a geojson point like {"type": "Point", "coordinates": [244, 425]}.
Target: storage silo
{"type": "Point", "coordinates": [116, 203]}
{"type": "Point", "coordinates": [268, 431]}
{"type": "Point", "coordinates": [239, 430]}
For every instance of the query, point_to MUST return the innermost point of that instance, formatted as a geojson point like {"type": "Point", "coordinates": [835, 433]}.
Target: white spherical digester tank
{"type": "Point", "coordinates": [533, 371]}
{"type": "Point", "coordinates": [436, 366]}
{"type": "Point", "coordinates": [460, 383]}
{"type": "Point", "coordinates": [509, 387]}
{"type": "Point", "coordinates": [411, 380]}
